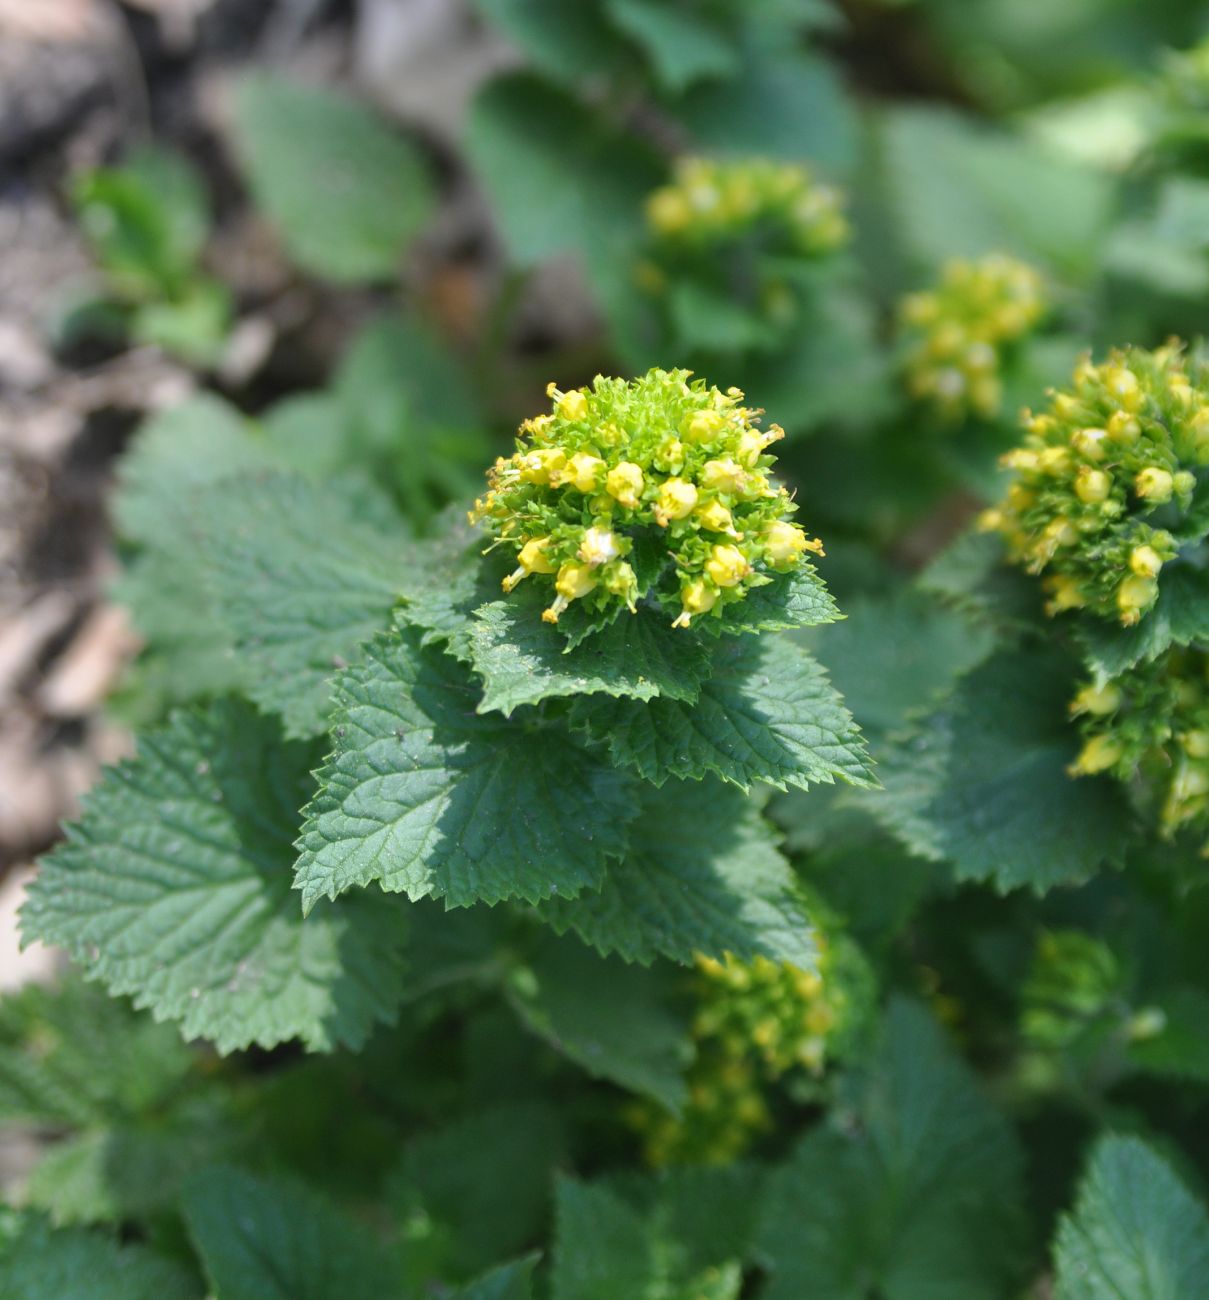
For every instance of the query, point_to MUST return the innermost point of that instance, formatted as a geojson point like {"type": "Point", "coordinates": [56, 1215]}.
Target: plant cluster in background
{"type": "Point", "coordinates": [534, 885]}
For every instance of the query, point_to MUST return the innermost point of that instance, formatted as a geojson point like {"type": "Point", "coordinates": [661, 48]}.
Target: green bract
{"type": "Point", "coordinates": [653, 490]}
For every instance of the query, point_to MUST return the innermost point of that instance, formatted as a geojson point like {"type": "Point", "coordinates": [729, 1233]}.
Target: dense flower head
{"type": "Point", "coordinates": [652, 489]}
{"type": "Point", "coordinates": [1104, 479]}
{"type": "Point", "coordinates": [956, 335]}
{"type": "Point", "coordinates": [755, 1023]}
{"type": "Point", "coordinates": [713, 202]}
{"type": "Point", "coordinates": [1150, 726]}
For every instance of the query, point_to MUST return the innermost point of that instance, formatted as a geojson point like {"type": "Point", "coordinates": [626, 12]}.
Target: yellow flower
{"type": "Point", "coordinates": [532, 559]}
{"type": "Point", "coordinates": [723, 476]}
{"type": "Point", "coordinates": [573, 582]}
{"type": "Point", "coordinates": [1098, 755]}
{"type": "Point", "coordinates": [717, 518]}
{"type": "Point", "coordinates": [598, 547]}
{"type": "Point", "coordinates": [1099, 701]}
{"type": "Point", "coordinates": [676, 500]}
{"type": "Point", "coordinates": [1145, 561]}
{"type": "Point", "coordinates": [1154, 485]}
{"type": "Point", "coordinates": [784, 544]}
{"type": "Point", "coordinates": [1092, 485]}
{"type": "Point", "coordinates": [704, 426]}
{"type": "Point", "coordinates": [727, 566]}
{"type": "Point", "coordinates": [573, 405]}
{"type": "Point", "coordinates": [625, 483]}
{"type": "Point", "coordinates": [1135, 595]}
{"type": "Point", "coordinates": [583, 471]}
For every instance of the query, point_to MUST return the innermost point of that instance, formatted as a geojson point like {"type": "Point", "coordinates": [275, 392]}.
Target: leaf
{"type": "Point", "coordinates": [612, 1020]}
{"type": "Point", "coordinates": [449, 1181]}
{"type": "Point", "coordinates": [972, 575]}
{"type": "Point", "coordinates": [982, 781]}
{"type": "Point", "coordinates": [767, 714]}
{"type": "Point", "coordinates": [958, 189]}
{"type": "Point", "coordinates": [38, 1263]}
{"type": "Point", "coordinates": [507, 1282]}
{"type": "Point", "coordinates": [917, 1197]}
{"type": "Point", "coordinates": [799, 599]}
{"type": "Point", "coordinates": [1180, 616]}
{"type": "Point", "coordinates": [269, 1239]}
{"type": "Point", "coordinates": [174, 886]}
{"type": "Point", "coordinates": [524, 661]}
{"type": "Point", "coordinates": [560, 180]}
{"type": "Point", "coordinates": [568, 42]}
{"type": "Point", "coordinates": [426, 798]}
{"type": "Point", "coordinates": [345, 192]}
{"type": "Point", "coordinates": [1135, 1230]}
{"type": "Point", "coordinates": [704, 875]}
{"type": "Point", "coordinates": [602, 1249]}
{"type": "Point", "coordinates": [784, 104]}
{"type": "Point", "coordinates": [300, 580]}
{"type": "Point", "coordinates": [682, 47]}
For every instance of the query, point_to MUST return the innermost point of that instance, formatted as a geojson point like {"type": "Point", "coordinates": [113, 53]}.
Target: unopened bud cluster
{"type": "Point", "coordinates": [1104, 479]}
{"type": "Point", "coordinates": [713, 202]}
{"type": "Point", "coordinates": [1150, 726]}
{"type": "Point", "coordinates": [661, 467]}
{"type": "Point", "coordinates": [755, 1023]}
{"type": "Point", "coordinates": [956, 336]}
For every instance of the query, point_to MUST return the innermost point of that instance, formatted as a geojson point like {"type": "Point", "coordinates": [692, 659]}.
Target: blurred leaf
{"type": "Point", "coordinates": [344, 190]}
{"type": "Point", "coordinates": [683, 47]}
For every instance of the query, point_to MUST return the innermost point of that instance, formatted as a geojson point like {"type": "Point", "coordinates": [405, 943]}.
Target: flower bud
{"type": "Point", "coordinates": [1099, 701]}
{"type": "Point", "coordinates": [1196, 743]}
{"type": "Point", "coordinates": [723, 476]}
{"type": "Point", "coordinates": [676, 500]}
{"type": "Point", "coordinates": [532, 559]}
{"type": "Point", "coordinates": [1145, 561]}
{"type": "Point", "coordinates": [598, 547]}
{"type": "Point", "coordinates": [1135, 595]}
{"type": "Point", "coordinates": [727, 566]}
{"type": "Point", "coordinates": [1122, 427]}
{"type": "Point", "coordinates": [784, 544]}
{"type": "Point", "coordinates": [1092, 486]}
{"type": "Point", "coordinates": [625, 483]}
{"type": "Point", "coordinates": [1154, 485]}
{"type": "Point", "coordinates": [1183, 482]}
{"type": "Point", "coordinates": [1098, 755]}
{"type": "Point", "coordinates": [583, 471]}
{"type": "Point", "coordinates": [697, 597]}
{"type": "Point", "coordinates": [1123, 384]}
{"type": "Point", "coordinates": [717, 518]}
{"type": "Point", "coordinates": [542, 465]}
{"type": "Point", "coordinates": [704, 426]}
{"type": "Point", "coordinates": [573, 406]}
{"type": "Point", "coordinates": [1089, 442]}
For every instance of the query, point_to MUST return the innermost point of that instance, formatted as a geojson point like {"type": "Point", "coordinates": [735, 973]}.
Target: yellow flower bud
{"type": "Point", "coordinates": [670, 456]}
{"type": "Point", "coordinates": [1065, 594]}
{"type": "Point", "coordinates": [1092, 486]}
{"type": "Point", "coordinates": [1098, 755]}
{"type": "Point", "coordinates": [727, 566]}
{"type": "Point", "coordinates": [573, 406]}
{"type": "Point", "coordinates": [1154, 485]}
{"type": "Point", "coordinates": [573, 581]}
{"type": "Point", "coordinates": [668, 211]}
{"type": "Point", "coordinates": [1145, 561]}
{"type": "Point", "coordinates": [542, 465]}
{"type": "Point", "coordinates": [532, 559]}
{"type": "Point", "coordinates": [1183, 482]}
{"type": "Point", "coordinates": [1133, 596]}
{"type": "Point", "coordinates": [784, 544]}
{"type": "Point", "coordinates": [620, 580]}
{"type": "Point", "coordinates": [697, 598]}
{"type": "Point", "coordinates": [1089, 442]}
{"type": "Point", "coordinates": [723, 476]}
{"type": "Point", "coordinates": [1019, 458]}
{"type": "Point", "coordinates": [704, 426]}
{"type": "Point", "coordinates": [1122, 427]}
{"type": "Point", "coordinates": [583, 471]}
{"type": "Point", "coordinates": [717, 518]}
{"type": "Point", "coordinates": [676, 500]}
{"type": "Point", "coordinates": [625, 483]}
{"type": "Point", "coordinates": [1123, 384]}
{"type": "Point", "coordinates": [1054, 460]}
{"type": "Point", "coordinates": [598, 547]}
{"type": "Point", "coordinates": [1099, 701]}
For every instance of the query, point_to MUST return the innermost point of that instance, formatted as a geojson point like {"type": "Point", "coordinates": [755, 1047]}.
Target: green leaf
{"type": "Point", "coordinates": [449, 1181]}
{"type": "Point", "coordinates": [703, 875]}
{"type": "Point", "coordinates": [614, 1021]}
{"type": "Point", "coordinates": [982, 781]}
{"type": "Point", "coordinates": [269, 1239]}
{"type": "Point", "coordinates": [560, 180]}
{"type": "Point", "coordinates": [425, 797]}
{"type": "Point", "coordinates": [569, 42]}
{"type": "Point", "coordinates": [682, 47]}
{"type": "Point", "coordinates": [917, 1196]}
{"type": "Point", "coordinates": [1180, 617]}
{"type": "Point", "coordinates": [38, 1263]}
{"type": "Point", "coordinates": [507, 1282]}
{"type": "Point", "coordinates": [767, 714]}
{"type": "Point", "coordinates": [344, 190]}
{"type": "Point", "coordinates": [972, 575]}
{"type": "Point", "coordinates": [1135, 1232]}
{"type": "Point", "coordinates": [174, 886]}
{"type": "Point", "coordinates": [957, 189]}
{"type": "Point", "coordinates": [602, 1247]}
{"type": "Point", "coordinates": [798, 599]}
{"type": "Point", "coordinates": [301, 579]}
{"type": "Point", "coordinates": [524, 661]}
{"type": "Point", "coordinates": [784, 104]}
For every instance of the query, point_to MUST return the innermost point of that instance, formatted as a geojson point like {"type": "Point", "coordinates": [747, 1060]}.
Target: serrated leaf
{"type": "Point", "coordinates": [614, 1021]}
{"type": "Point", "coordinates": [344, 190]}
{"type": "Point", "coordinates": [797, 599]}
{"type": "Point", "coordinates": [524, 661]}
{"type": "Point", "coordinates": [300, 579]}
{"type": "Point", "coordinates": [1179, 617]}
{"type": "Point", "coordinates": [270, 1239]}
{"type": "Point", "coordinates": [1135, 1232]}
{"type": "Point", "coordinates": [174, 886]}
{"type": "Point", "coordinates": [917, 1197]}
{"type": "Point", "coordinates": [982, 781]}
{"type": "Point", "coordinates": [424, 797]}
{"type": "Point", "coordinates": [703, 875]}
{"type": "Point", "coordinates": [38, 1263]}
{"type": "Point", "coordinates": [602, 1248]}
{"type": "Point", "coordinates": [767, 714]}
{"type": "Point", "coordinates": [450, 1180]}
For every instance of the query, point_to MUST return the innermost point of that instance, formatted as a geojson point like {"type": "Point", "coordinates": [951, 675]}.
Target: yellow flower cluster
{"type": "Point", "coordinates": [1104, 478]}
{"type": "Point", "coordinates": [653, 489]}
{"type": "Point", "coordinates": [714, 202]}
{"type": "Point", "coordinates": [1150, 726]}
{"type": "Point", "coordinates": [754, 1024]}
{"type": "Point", "coordinates": [956, 336]}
